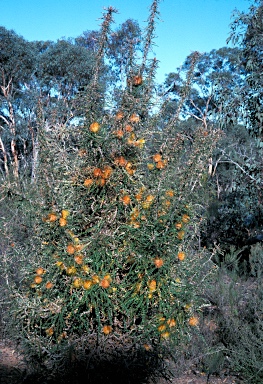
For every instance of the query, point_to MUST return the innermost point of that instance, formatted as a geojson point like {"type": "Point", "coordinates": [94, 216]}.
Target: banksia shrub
{"type": "Point", "coordinates": [110, 252]}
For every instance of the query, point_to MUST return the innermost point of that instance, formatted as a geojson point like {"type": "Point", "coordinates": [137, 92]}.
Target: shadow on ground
{"type": "Point", "coordinates": [119, 367]}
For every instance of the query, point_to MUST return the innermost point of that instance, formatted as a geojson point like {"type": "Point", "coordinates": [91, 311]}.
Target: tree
{"type": "Point", "coordinates": [17, 62]}
{"type": "Point", "coordinates": [246, 31]}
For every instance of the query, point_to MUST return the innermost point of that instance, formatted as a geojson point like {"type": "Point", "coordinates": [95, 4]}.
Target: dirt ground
{"type": "Point", "coordinates": [13, 371]}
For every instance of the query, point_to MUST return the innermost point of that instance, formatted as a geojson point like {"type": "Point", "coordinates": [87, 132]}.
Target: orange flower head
{"type": "Point", "coordinates": [193, 321]}
{"type": "Point", "coordinates": [49, 285]}
{"type": "Point", "coordinates": [161, 328]}
{"type": "Point", "coordinates": [71, 270]}
{"type": "Point", "coordinates": [158, 262]}
{"type": "Point", "coordinates": [64, 213]}
{"type": "Point", "coordinates": [185, 219]}
{"type": "Point", "coordinates": [88, 182]}
{"type": "Point", "coordinates": [121, 161]}
{"type": "Point", "coordinates": [94, 127]}
{"type": "Point", "coordinates": [107, 329]}
{"type": "Point", "coordinates": [171, 322]}
{"type": "Point", "coordinates": [77, 282]}
{"type": "Point", "coordinates": [79, 259]}
{"type": "Point", "coordinates": [169, 193]}
{"type": "Point", "coordinates": [152, 285]}
{"type": "Point", "coordinates": [137, 80]}
{"type": "Point", "coordinates": [178, 225]}
{"type": "Point", "coordinates": [160, 165]}
{"type": "Point", "coordinates": [38, 279]}
{"type": "Point", "coordinates": [134, 118]}
{"type": "Point", "coordinates": [101, 182]}
{"type": "Point", "coordinates": [150, 198]}
{"type": "Point", "coordinates": [49, 331]}
{"type": "Point", "coordinates": [40, 271]}
{"type": "Point", "coordinates": [165, 335]}
{"type": "Point", "coordinates": [105, 283]}
{"type": "Point", "coordinates": [150, 166]}
{"type": "Point", "coordinates": [106, 172]}
{"type": "Point", "coordinates": [95, 279]}
{"type": "Point", "coordinates": [119, 133]}
{"type": "Point", "coordinates": [119, 115]}
{"type": "Point", "coordinates": [181, 255]}
{"type": "Point", "coordinates": [52, 217]}
{"type": "Point", "coordinates": [138, 196]}
{"type": "Point", "coordinates": [97, 172]}
{"type": "Point", "coordinates": [126, 199]}
{"type": "Point", "coordinates": [62, 222]}
{"type": "Point", "coordinates": [128, 128]}
{"type": "Point", "coordinates": [157, 157]}
{"type": "Point", "coordinates": [180, 235]}
{"type": "Point", "coordinates": [87, 284]}
{"type": "Point", "coordinates": [70, 249]}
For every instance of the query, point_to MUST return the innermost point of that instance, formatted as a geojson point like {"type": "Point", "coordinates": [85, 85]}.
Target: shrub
{"type": "Point", "coordinates": [109, 254]}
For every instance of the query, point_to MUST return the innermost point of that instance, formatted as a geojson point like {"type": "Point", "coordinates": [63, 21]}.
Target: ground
{"type": "Point", "coordinates": [13, 371]}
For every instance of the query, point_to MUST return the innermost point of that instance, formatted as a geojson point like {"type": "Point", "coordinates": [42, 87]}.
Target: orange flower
{"type": "Point", "coordinates": [120, 161]}
{"type": "Point", "coordinates": [49, 331]}
{"type": "Point", "coordinates": [78, 247]}
{"type": "Point", "coordinates": [106, 172]}
{"type": "Point", "coordinates": [49, 285]}
{"type": "Point", "coordinates": [107, 329]}
{"type": "Point", "coordinates": [101, 182]}
{"type": "Point", "coordinates": [95, 279]}
{"type": "Point", "coordinates": [70, 249]}
{"type": "Point", "coordinates": [88, 182]}
{"type": "Point", "coordinates": [161, 328]}
{"type": "Point", "coordinates": [38, 279]}
{"type": "Point", "coordinates": [97, 172]}
{"type": "Point", "coordinates": [64, 213]}
{"type": "Point", "coordinates": [160, 164]}
{"type": "Point", "coordinates": [52, 217]}
{"type": "Point", "coordinates": [150, 166]}
{"type": "Point", "coordinates": [119, 133]}
{"type": "Point", "coordinates": [134, 118]}
{"type": "Point", "coordinates": [128, 128]}
{"type": "Point", "coordinates": [40, 271]}
{"type": "Point", "coordinates": [149, 198]}
{"type": "Point", "coordinates": [87, 284]}
{"type": "Point", "coordinates": [158, 262]}
{"type": "Point", "coordinates": [138, 196]}
{"type": "Point", "coordinates": [152, 285]}
{"type": "Point", "coordinates": [169, 193]}
{"type": "Point", "coordinates": [165, 335]}
{"type": "Point", "coordinates": [157, 157]}
{"type": "Point", "coordinates": [171, 322]}
{"type": "Point", "coordinates": [119, 115]}
{"type": "Point", "coordinates": [185, 219]}
{"type": "Point", "coordinates": [147, 347]}
{"type": "Point", "coordinates": [78, 259]}
{"type": "Point", "coordinates": [193, 321]}
{"type": "Point", "coordinates": [178, 225]}
{"type": "Point", "coordinates": [180, 235]}
{"type": "Point", "coordinates": [94, 127]}
{"type": "Point", "coordinates": [181, 255]}
{"type": "Point", "coordinates": [105, 283]}
{"type": "Point", "coordinates": [85, 268]}
{"type": "Point", "coordinates": [126, 199]}
{"type": "Point", "coordinates": [77, 283]}
{"type": "Point", "coordinates": [62, 222]}
{"type": "Point", "coordinates": [137, 80]}
{"type": "Point", "coordinates": [71, 270]}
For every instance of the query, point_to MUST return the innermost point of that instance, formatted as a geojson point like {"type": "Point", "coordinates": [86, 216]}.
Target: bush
{"type": "Point", "coordinates": [109, 255]}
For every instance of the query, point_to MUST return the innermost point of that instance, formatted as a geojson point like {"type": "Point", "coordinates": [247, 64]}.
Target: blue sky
{"type": "Point", "coordinates": [184, 26]}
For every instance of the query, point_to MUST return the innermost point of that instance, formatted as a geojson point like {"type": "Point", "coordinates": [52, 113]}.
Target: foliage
{"type": "Point", "coordinates": [111, 212]}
